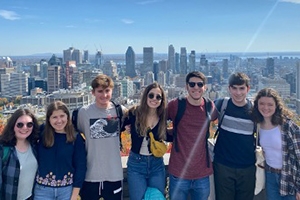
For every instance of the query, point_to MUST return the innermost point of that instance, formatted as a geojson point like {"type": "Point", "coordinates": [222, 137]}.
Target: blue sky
{"type": "Point", "coordinates": [31, 26]}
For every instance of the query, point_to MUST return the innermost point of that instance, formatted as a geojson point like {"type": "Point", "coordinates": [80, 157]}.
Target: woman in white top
{"type": "Point", "coordinates": [279, 137]}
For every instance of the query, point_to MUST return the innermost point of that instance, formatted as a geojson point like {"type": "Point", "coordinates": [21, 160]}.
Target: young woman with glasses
{"type": "Point", "coordinates": [143, 168]}
{"type": "Point", "coordinates": [61, 157]}
{"type": "Point", "coordinates": [18, 163]}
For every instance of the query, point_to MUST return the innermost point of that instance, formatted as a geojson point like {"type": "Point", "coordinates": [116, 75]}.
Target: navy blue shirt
{"type": "Point", "coordinates": [63, 164]}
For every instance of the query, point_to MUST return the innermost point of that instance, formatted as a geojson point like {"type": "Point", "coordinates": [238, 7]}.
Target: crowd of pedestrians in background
{"type": "Point", "coordinates": [54, 161]}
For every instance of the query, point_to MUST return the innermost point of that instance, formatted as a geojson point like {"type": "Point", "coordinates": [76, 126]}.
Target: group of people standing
{"type": "Point", "coordinates": [56, 162]}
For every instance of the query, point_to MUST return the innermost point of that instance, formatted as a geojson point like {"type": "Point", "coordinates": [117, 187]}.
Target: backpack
{"type": "Point", "coordinates": [5, 155]}
{"type": "Point", "coordinates": [179, 115]}
{"type": "Point", "coordinates": [75, 112]}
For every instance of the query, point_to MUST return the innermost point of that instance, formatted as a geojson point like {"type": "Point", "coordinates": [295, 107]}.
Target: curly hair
{"type": "Point", "coordinates": [142, 110]}
{"type": "Point", "coordinates": [48, 136]}
{"type": "Point", "coordinates": [281, 113]}
{"type": "Point", "coordinates": [8, 136]}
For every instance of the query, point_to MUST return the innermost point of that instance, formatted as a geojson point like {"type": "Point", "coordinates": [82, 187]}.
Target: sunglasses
{"type": "Point", "coordinates": [151, 96]}
{"type": "Point", "coordinates": [28, 125]}
{"type": "Point", "coordinates": [193, 84]}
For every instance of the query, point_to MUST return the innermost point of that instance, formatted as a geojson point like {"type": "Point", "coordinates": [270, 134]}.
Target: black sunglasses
{"type": "Point", "coordinates": [151, 96]}
{"type": "Point", "coordinates": [28, 125]}
{"type": "Point", "coordinates": [193, 84]}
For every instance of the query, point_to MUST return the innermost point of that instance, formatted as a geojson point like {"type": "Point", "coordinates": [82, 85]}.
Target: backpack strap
{"type": "Point", "coordinates": [180, 111]}
{"type": "Point", "coordinates": [119, 112]}
{"type": "Point", "coordinates": [208, 109]}
{"type": "Point", "coordinates": [75, 118]}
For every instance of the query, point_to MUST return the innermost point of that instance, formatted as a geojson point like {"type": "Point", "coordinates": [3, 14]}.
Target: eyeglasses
{"type": "Point", "coordinates": [193, 84]}
{"type": "Point", "coordinates": [28, 125]}
{"type": "Point", "coordinates": [158, 97]}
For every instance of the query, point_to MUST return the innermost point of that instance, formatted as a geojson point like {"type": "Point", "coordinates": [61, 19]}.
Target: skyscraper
{"type": "Point", "coordinates": [171, 58]}
{"type": "Point", "coordinates": [192, 61]}
{"type": "Point", "coordinates": [72, 54]}
{"type": "Point", "coordinates": [130, 62]}
{"type": "Point", "coordinates": [98, 60]}
{"type": "Point", "coordinates": [147, 60]}
{"type": "Point", "coordinates": [54, 78]}
{"type": "Point", "coordinates": [270, 71]}
{"type": "Point", "coordinates": [183, 60]}
{"type": "Point", "coordinates": [86, 56]}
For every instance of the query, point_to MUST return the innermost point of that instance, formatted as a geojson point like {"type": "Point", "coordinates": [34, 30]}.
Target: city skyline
{"type": "Point", "coordinates": [32, 27]}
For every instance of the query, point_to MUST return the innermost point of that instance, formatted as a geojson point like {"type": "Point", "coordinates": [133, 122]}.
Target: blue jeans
{"type": "Point", "coordinates": [51, 193]}
{"type": "Point", "coordinates": [179, 188]}
{"type": "Point", "coordinates": [272, 187]}
{"type": "Point", "coordinates": [143, 172]}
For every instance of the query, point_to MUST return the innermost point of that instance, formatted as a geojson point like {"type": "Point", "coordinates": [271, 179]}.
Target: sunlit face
{"type": "Point", "coordinates": [194, 90]}
{"type": "Point", "coordinates": [266, 107]}
{"type": "Point", "coordinates": [154, 98]}
{"type": "Point", "coordinates": [102, 96]}
{"type": "Point", "coordinates": [58, 121]}
{"type": "Point", "coordinates": [238, 94]}
{"type": "Point", "coordinates": [23, 127]}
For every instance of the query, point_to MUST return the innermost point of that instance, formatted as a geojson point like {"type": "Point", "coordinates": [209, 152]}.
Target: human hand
{"type": "Point", "coordinates": [298, 196]}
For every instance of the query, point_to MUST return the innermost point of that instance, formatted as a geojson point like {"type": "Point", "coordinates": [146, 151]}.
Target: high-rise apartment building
{"type": "Point", "coordinates": [14, 84]}
{"type": "Point", "coordinates": [54, 78]}
{"type": "Point", "coordinates": [148, 58]}
{"type": "Point", "coordinates": [171, 58]}
{"type": "Point", "coordinates": [5, 71]}
{"type": "Point", "coordinates": [69, 71]}
{"type": "Point", "coordinates": [183, 60]}
{"type": "Point", "coordinates": [130, 62]}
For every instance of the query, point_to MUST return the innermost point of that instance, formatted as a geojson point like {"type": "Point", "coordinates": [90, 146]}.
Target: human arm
{"type": "Point", "coordinates": [75, 193]}
{"type": "Point", "coordinates": [294, 136]}
{"type": "Point", "coordinates": [298, 196]}
{"type": "Point", "coordinates": [79, 164]}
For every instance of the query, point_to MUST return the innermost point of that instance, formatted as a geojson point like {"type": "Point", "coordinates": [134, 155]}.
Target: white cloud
{"type": "Point", "coordinates": [70, 26]}
{"type": "Point", "coordinates": [10, 15]}
{"type": "Point", "coordinates": [291, 1]}
{"type": "Point", "coordinates": [127, 21]}
{"type": "Point", "coordinates": [148, 2]}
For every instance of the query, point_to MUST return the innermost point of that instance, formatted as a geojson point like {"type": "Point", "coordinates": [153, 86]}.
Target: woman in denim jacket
{"type": "Point", "coordinates": [18, 161]}
{"type": "Point", "coordinates": [143, 168]}
{"type": "Point", "coordinates": [279, 137]}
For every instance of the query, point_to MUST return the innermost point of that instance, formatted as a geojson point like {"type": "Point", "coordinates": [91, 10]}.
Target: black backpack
{"type": "Point", "coordinates": [180, 112]}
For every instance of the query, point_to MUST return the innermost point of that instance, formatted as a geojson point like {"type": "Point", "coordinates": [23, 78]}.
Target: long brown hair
{"type": "Point", "coordinates": [281, 112]}
{"type": "Point", "coordinates": [143, 110]}
{"type": "Point", "coordinates": [8, 136]}
{"type": "Point", "coordinates": [48, 136]}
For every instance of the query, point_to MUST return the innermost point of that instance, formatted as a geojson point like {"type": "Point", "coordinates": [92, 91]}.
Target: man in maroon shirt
{"type": "Point", "coordinates": [188, 167]}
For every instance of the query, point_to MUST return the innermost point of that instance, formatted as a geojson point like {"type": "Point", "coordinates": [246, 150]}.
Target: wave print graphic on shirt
{"type": "Point", "coordinates": [104, 128]}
